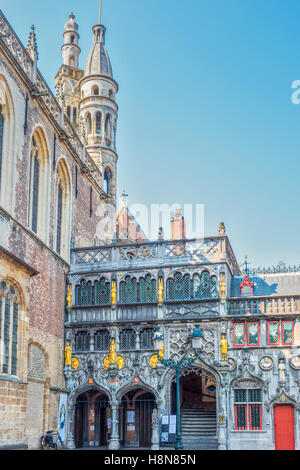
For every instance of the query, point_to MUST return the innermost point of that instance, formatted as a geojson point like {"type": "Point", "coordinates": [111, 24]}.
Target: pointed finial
{"type": "Point", "coordinates": [246, 263]}
{"type": "Point", "coordinates": [32, 44]}
{"type": "Point", "coordinates": [72, 16]}
{"type": "Point", "coordinates": [124, 197]}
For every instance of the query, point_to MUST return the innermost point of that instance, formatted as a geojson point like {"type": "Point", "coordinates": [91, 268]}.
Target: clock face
{"type": "Point", "coordinates": [295, 362]}
{"type": "Point", "coordinates": [266, 362]}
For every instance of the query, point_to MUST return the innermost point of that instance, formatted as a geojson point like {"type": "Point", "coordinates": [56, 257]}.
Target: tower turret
{"type": "Point", "coordinates": [99, 110]}
{"type": "Point", "coordinates": [70, 48]}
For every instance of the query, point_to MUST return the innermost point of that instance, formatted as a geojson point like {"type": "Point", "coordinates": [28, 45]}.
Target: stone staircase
{"type": "Point", "coordinates": [198, 428]}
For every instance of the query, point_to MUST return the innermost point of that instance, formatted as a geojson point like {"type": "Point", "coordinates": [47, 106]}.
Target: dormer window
{"type": "Point", "coordinates": [247, 286]}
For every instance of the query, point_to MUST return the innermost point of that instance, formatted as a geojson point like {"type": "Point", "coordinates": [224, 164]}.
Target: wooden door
{"type": "Point", "coordinates": [284, 427]}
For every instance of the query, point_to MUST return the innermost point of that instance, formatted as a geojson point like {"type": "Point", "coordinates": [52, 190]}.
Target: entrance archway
{"type": "Point", "coordinates": [197, 405]}
{"type": "Point", "coordinates": [92, 419]}
{"type": "Point", "coordinates": [136, 410]}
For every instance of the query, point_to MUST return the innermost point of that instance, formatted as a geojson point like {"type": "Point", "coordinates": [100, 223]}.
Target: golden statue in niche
{"type": "Point", "coordinates": [68, 355]}
{"type": "Point", "coordinates": [161, 352]}
{"type": "Point", "coordinates": [106, 363]}
{"type": "Point", "coordinates": [114, 292]}
{"type": "Point", "coordinates": [120, 362]}
{"type": "Point", "coordinates": [160, 290]}
{"type": "Point", "coordinates": [223, 288]}
{"type": "Point", "coordinates": [69, 296]}
{"type": "Point", "coordinates": [224, 347]}
{"type": "Point", "coordinates": [112, 352]}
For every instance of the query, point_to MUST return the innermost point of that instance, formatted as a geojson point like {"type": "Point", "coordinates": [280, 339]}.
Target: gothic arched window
{"type": "Point", "coordinates": [1, 138]}
{"type": "Point", "coordinates": [98, 123]}
{"type": "Point", "coordinates": [147, 289]}
{"type": "Point", "coordinates": [88, 124]}
{"type": "Point", "coordinates": [62, 209]}
{"type": "Point", "coordinates": [127, 339]}
{"type": "Point", "coordinates": [128, 290]}
{"type": "Point", "coordinates": [179, 288]}
{"type": "Point", "coordinates": [74, 115]}
{"type": "Point", "coordinates": [84, 293]}
{"type": "Point", "coordinates": [96, 90]}
{"type": "Point", "coordinates": [102, 292]}
{"type": "Point", "coordinates": [38, 185]}
{"type": "Point", "coordinates": [108, 127]}
{"type": "Point", "coordinates": [107, 178]}
{"type": "Point", "coordinates": [9, 315]}
{"type": "Point", "coordinates": [205, 287]}
{"type": "Point", "coordinates": [102, 340]}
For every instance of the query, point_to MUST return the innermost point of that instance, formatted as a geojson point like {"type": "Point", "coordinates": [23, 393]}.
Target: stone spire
{"type": "Point", "coordinates": [32, 45]}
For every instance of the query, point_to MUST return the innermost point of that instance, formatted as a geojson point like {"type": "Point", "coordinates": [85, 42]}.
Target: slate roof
{"type": "Point", "coordinates": [285, 284]}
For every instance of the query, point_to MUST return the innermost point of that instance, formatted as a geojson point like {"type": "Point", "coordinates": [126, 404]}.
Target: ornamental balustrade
{"type": "Point", "coordinates": [15, 48]}
{"type": "Point", "coordinates": [154, 254]}
{"type": "Point", "coordinates": [277, 305]}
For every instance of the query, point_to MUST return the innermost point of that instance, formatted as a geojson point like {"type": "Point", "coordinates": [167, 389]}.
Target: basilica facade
{"type": "Point", "coordinates": [241, 390]}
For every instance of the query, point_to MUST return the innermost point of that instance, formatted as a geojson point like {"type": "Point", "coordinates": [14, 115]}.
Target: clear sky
{"type": "Point", "coordinates": [205, 110]}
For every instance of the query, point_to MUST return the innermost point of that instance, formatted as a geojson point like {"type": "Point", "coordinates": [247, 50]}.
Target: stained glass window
{"type": "Point", "coordinates": [1, 138]}
{"type": "Point", "coordinates": [8, 330]}
{"type": "Point", "coordinates": [273, 332]}
{"type": "Point", "coordinates": [102, 340]}
{"type": "Point", "coordinates": [238, 334]}
{"type": "Point", "coordinates": [84, 293]}
{"type": "Point", "coordinates": [128, 339]}
{"type": "Point", "coordinates": [253, 335]}
{"type": "Point", "coordinates": [107, 178]}
{"type": "Point", "coordinates": [59, 217]}
{"type": "Point", "coordinates": [147, 289]}
{"type": "Point", "coordinates": [287, 332]}
{"type": "Point", "coordinates": [128, 290]}
{"type": "Point", "coordinates": [179, 288]}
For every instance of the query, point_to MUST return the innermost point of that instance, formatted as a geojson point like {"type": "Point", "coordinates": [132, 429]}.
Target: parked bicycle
{"type": "Point", "coordinates": [49, 442]}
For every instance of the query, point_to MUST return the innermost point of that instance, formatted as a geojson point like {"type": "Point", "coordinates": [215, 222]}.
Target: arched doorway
{"type": "Point", "coordinates": [197, 406]}
{"type": "Point", "coordinates": [136, 410]}
{"type": "Point", "coordinates": [92, 419]}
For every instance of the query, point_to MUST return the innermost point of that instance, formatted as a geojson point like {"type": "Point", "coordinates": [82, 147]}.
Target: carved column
{"type": "Point", "coordinates": [114, 442]}
{"type": "Point", "coordinates": [71, 426]}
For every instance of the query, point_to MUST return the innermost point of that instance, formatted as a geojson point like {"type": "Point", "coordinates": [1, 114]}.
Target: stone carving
{"type": "Point", "coordinates": [266, 363]}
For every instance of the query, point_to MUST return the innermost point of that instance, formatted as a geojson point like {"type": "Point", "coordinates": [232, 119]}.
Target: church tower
{"type": "Point", "coordinates": [69, 73]}
{"type": "Point", "coordinates": [99, 111]}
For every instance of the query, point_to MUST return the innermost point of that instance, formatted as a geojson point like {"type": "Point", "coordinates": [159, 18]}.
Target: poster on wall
{"type": "Point", "coordinates": [62, 414]}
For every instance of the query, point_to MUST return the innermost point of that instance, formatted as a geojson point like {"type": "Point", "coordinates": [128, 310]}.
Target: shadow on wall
{"type": "Point", "coordinates": [261, 287]}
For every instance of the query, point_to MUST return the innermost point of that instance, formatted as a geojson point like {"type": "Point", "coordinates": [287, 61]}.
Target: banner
{"type": "Point", "coordinates": [62, 416]}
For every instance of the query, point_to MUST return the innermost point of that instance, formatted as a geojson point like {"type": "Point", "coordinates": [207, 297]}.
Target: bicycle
{"type": "Point", "coordinates": [48, 442]}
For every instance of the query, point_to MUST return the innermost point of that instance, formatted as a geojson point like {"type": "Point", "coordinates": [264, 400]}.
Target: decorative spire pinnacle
{"type": "Point", "coordinates": [124, 197]}
{"type": "Point", "coordinates": [32, 45]}
{"type": "Point", "coordinates": [222, 229]}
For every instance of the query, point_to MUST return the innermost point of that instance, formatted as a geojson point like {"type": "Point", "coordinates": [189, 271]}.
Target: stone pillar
{"type": "Point", "coordinates": [114, 442]}
{"type": "Point", "coordinates": [155, 430]}
{"type": "Point", "coordinates": [92, 341]}
{"type": "Point", "coordinates": [71, 424]}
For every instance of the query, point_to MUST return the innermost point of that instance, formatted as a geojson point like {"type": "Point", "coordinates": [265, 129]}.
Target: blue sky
{"type": "Point", "coordinates": [205, 110]}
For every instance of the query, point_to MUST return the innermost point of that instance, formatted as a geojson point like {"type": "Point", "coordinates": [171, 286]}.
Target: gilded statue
{"type": "Point", "coordinates": [106, 363]}
{"type": "Point", "coordinates": [224, 347]}
{"type": "Point", "coordinates": [112, 352]}
{"type": "Point", "coordinates": [68, 355]}
{"type": "Point", "coordinates": [120, 362]}
{"type": "Point", "coordinates": [69, 296]}
{"type": "Point", "coordinates": [160, 290]}
{"type": "Point", "coordinates": [153, 361]}
{"type": "Point", "coordinates": [113, 292]}
{"type": "Point", "coordinates": [223, 288]}
{"type": "Point", "coordinates": [75, 363]}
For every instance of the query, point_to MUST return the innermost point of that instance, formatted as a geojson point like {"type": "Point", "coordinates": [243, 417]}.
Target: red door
{"type": "Point", "coordinates": [284, 427]}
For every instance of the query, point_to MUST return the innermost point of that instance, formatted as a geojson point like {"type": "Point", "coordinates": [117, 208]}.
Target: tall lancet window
{"type": "Point", "coordinates": [108, 127]}
{"type": "Point", "coordinates": [38, 185]}
{"type": "Point", "coordinates": [98, 123]}
{"type": "Point", "coordinates": [88, 124]}
{"type": "Point", "coordinates": [59, 217]}
{"type": "Point", "coordinates": [35, 175]}
{"type": "Point", "coordinates": [1, 138]}
{"type": "Point", "coordinates": [9, 315]}
{"type": "Point", "coordinates": [107, 178]}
